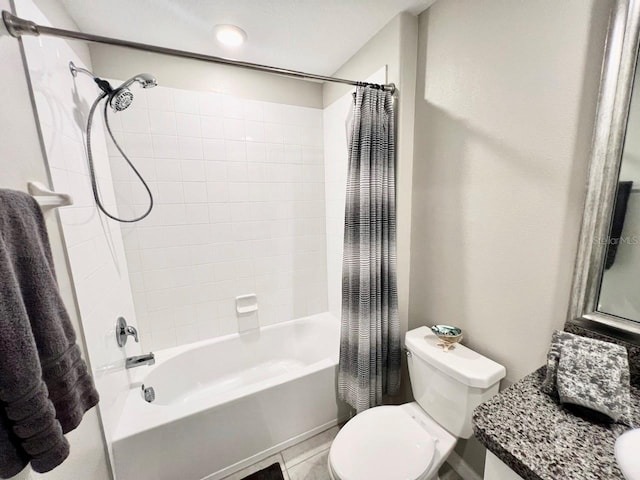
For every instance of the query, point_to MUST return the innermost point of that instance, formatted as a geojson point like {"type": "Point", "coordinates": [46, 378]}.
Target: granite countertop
{"type": "Point", "coordinates": [541, 440]}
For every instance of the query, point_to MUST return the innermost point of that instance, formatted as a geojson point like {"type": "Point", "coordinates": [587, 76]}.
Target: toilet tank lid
{"type": "Point", "coordinates": [461, 363]}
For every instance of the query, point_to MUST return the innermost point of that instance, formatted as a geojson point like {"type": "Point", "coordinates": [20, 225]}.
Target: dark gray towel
{"type": "Point", "coordinates": [44, 385]}
{"type": "Point", "coordinates": [589, 373]}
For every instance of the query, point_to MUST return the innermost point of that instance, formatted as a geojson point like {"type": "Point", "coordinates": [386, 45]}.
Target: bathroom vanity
{"type": "Point", "coordinates": [529, 435]}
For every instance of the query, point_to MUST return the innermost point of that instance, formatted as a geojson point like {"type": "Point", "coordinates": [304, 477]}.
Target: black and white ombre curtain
{"type": "Point", "coordinates": [370, 329]}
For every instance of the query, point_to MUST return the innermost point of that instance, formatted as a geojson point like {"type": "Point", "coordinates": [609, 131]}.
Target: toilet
{"type": "Point", "coordinates": [412, 441]}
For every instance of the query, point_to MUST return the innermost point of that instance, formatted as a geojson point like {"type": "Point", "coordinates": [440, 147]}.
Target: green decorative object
{"type": "Point", "coordinates": [448, 336]}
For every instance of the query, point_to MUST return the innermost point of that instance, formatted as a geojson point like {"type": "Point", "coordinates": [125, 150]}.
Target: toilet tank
{"type": "Point", "coordinates": [448, 385]}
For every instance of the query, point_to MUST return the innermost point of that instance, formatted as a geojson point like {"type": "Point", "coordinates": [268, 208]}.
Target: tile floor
{"type": "Point", "coordinates": [308, 460]}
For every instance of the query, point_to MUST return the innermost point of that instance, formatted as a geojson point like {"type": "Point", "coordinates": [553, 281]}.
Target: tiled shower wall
{"type": "Point", "coordinates": [94, 244]}
{"type": "Point", "coordinates": [239, 192]}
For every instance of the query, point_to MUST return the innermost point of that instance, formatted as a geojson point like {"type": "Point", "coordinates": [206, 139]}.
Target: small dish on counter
{"type": "Point", "coordinates": [448, 336]}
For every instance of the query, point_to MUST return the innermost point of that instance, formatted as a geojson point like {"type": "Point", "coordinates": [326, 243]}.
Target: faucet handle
{"type": "Point", "coordinates": [130, 330]}
{"type": "Point", "coordinates": [123, 331]}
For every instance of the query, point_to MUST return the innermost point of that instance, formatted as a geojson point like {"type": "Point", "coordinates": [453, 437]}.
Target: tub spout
{"type": "Point", "coordinates": [147, 359]}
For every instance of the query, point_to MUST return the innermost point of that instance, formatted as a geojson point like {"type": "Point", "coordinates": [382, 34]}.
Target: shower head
{"type": "Point", "coordinates": [121, 98]}
{"type": "Point", "coordinates": [146, 80]}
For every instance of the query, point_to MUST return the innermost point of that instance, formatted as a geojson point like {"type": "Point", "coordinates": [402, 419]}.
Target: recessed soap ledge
{"type": "Point", "coordinates": [541, 440]}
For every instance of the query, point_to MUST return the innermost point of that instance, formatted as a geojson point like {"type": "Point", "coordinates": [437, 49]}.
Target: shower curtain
{"type": "Point", "coordinates": [370, 329]}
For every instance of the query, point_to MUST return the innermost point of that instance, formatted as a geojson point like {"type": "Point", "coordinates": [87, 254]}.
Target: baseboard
{"type": "Point", "coordinates": [462, 468]}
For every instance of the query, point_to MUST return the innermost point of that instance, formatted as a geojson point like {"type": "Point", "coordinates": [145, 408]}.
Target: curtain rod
{"type": "Point", "coordinates": [17, 27]}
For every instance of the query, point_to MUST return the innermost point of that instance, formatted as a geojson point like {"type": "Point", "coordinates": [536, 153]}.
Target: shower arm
{"type": "Point", "coordinates": [75, 69]}
{"type": "Point", "coordinates": [18, 27]}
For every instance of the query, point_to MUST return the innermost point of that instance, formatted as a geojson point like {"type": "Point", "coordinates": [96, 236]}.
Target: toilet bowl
{"type": "Point", "coordinates": [390, 442]}
{"type": "Point", "coordinates": [412, 441]}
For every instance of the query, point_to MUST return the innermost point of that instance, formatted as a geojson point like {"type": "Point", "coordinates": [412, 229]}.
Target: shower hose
{"type": "Point", "coordinates": [92, 171]}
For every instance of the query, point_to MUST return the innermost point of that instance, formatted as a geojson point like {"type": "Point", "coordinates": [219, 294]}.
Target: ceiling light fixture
{"type": "Point", "coordinates": [230, 35]}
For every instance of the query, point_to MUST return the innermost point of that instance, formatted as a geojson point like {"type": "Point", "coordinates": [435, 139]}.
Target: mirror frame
{"type": "Point", "coordinates": [617, 78]}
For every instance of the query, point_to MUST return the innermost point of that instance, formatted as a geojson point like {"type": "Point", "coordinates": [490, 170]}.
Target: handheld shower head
{"type": "Point", "coordinates": [146, 80]}
{"type": "Point", "coordinates": [121, 98]}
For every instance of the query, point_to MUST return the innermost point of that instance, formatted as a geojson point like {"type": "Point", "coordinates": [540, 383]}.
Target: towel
{"type": "Point", "coordinates": [617, 222]}
{"type": "Point", "coordinates": [553, 358]}
{"type": "Point", "coordinates": [590, 374]}
{"type": "Point", "coordinates": [45, 387]}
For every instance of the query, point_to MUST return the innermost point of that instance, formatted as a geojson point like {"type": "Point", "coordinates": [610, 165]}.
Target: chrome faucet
{"type": "Point", "coordinates": [147, 359]}
{"type": "Point", "coordinates": [124, 331]}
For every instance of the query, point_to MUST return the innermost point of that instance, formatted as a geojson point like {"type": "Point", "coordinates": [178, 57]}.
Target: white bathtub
{"type": "Point", "coordinates": [225, 403]}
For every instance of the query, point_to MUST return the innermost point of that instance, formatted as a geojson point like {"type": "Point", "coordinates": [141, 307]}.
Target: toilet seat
{"type": "Point", "coordinates": [382, 443]}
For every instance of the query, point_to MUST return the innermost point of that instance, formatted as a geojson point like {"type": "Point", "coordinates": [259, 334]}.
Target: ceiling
{"type": "Point", "coordinates": [315, 36]}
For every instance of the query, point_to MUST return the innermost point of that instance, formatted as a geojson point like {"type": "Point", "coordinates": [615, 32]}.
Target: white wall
{"type": "Point", "coordinates": [21, 160]}
{"type": "Point", "coordinates": [505, 107]}
{"type": "Point", "coordinates": [94, 244]}
{"type": "Point", "coordinates": [239, 192]}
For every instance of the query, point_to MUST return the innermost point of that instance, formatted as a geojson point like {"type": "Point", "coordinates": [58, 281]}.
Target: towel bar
{"type": "Point", "coordinates": [48, 198]}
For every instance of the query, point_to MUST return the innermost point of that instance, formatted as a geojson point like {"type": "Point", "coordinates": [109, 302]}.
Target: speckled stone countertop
{"type": "Point", "coordinates": [541, 440]}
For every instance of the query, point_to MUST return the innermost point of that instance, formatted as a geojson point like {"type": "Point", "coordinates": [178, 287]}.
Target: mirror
{"type": "Point", "coordinates": [606, 286]}
{"type": "Point", "coordinates": [620, 282]}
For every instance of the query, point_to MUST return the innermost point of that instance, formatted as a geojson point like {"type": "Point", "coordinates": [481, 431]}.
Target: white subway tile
{"type": "Point", "coordinates": [315, 155]}
{"type": "Point", "coordinates": [186, 334]}
{"type": "Point", "coordinates": [162, 319]}
{"type": "Point", "coordinates": [206, 312]}
{"type": "Point", "coordinates": [134, 121]}
{"type": "Point", "coordinates": [234, 129]}
{"type": "Point", "coordinates": [196, 192]}
{"type": "Point", "coordinates": [292, 154]}
{"type": "Point", "coordinates": [237, 172]}
{"type": "Point", "coordinates": [256, 152]}
{"type": "Point", "coordinates": [212, 127]}
{"type": "Point", "coordinates": [208, 329]}
{"type": "Point", "coordinates": [235, 151]}
{"type": "Point", "coordinates": [193, 171]}
{"type": "Point", "coordinates": [165, 146]}
{"type": "Point", "coordinates": [221, 233]}
{"type": "Point", "coordinates": [210, 104]}
{"type": "Point", "coordinates": [188, 125]}
{"type": "Point", "coordinates": [292, 134]}
{"type": "Point", "coordinates": [185, 101]}
{"type": "Point", "coordinates": [311, 136]}
{"type": "Point", "coordinates": [164, 338]}
{"type": "Point", "coordinates": [253, 110]}
{"type": "Point", "coordinates": [275, 153]}
{"type": "Point", "coordinates": [174, 214]}
{"type": "Point", "coordinates": [272, 112]}
{"type": "Point", "coordinates": [273, 133]}
{"type": "Point", "coordinates": [159, 99]}
{"type": "Point", "coordinates": [239, 192]}
{"type": "Point", "coordinates": [219, 213]}
{"type": "Point", "coordinates": [217, 192]}
{"type": "Point", "coordinates": [232, 107]}
{"type": "Point", "coordinates": [170, 192]}
{"type": "Point", "coordinates": [168, 170]}
{"type": "Point", "coordinates": [254, 131]}
{"type": "Point", "coordinates": [256, 172]}
{"type": "Point", "coordinates": [138, 145]}
{"type": "Point", "coordinates": [228, 325]}
{"type": "Point", "coordinates": [190, 148]}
